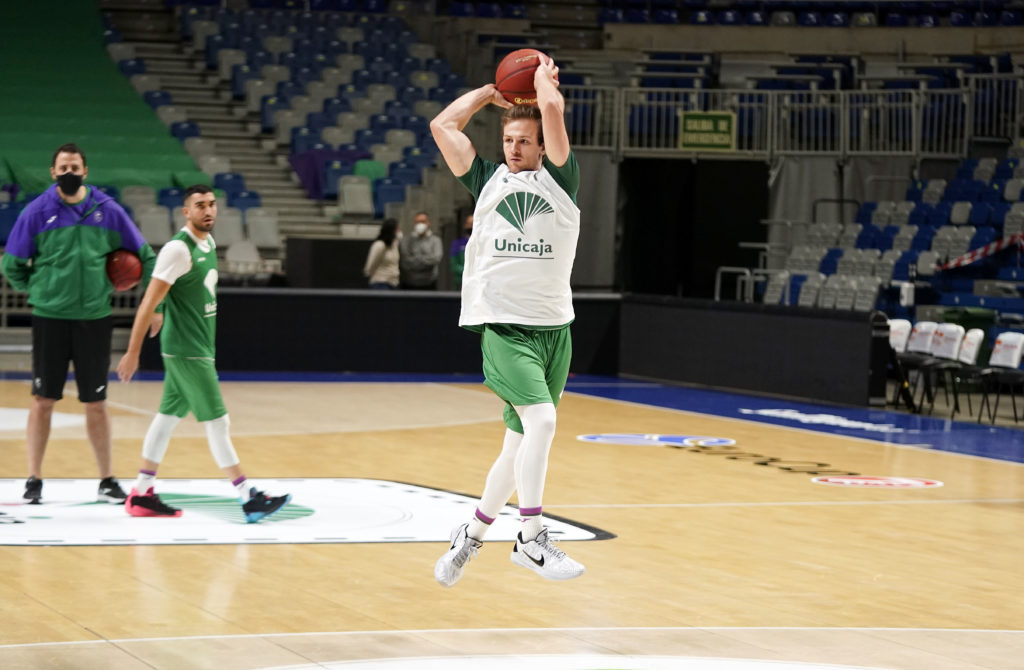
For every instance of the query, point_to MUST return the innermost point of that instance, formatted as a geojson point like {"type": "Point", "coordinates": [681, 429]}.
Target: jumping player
{"type": "Point", "coordinates": [516, 294]}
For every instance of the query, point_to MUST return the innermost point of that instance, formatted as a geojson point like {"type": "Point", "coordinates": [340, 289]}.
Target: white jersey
{"type": "Point", "coordinates": [520, 255]}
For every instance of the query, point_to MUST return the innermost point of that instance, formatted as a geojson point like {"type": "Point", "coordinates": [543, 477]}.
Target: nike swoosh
{"type": "Point", "coordinates": [539, 563]}
{"type": "Point", "coordinates": [51, 219]}
{"type": "Point", "coordinates": [100, 388]}
{"type": "Point", "coordinates": [201, 258]}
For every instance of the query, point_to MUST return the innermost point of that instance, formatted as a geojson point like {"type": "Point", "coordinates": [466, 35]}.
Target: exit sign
{"type": "Point", "coordinates": [708, 131]}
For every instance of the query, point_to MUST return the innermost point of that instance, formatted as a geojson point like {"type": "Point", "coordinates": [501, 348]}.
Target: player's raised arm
{"type": "Point", "coordinates": [447, 126]}
{"type": "Point", "coordinates": [552, 111]}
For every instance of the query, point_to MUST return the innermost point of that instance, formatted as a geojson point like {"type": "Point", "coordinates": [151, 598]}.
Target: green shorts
{"type": "Point", "coordinates": [190, 385]}
{"type": "Point", "coordinates": [525, 366]}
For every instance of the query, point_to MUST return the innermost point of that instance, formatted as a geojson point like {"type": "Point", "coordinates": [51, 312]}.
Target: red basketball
{"type": "Point", "coordinates": [124, 269]}
{"type": "Point", "coordinates": [514, 77]}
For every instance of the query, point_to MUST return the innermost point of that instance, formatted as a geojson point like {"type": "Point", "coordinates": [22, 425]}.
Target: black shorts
{"type": "Point", "coordinates": [56, 342]}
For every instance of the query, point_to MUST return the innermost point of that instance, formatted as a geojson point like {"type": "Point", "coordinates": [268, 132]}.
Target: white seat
{"type": "Point", "coordinates": [212, 165]}
{"type": "Point", "coordinates": [899, 333]}
{"type": "Point", "coordinates": [199, 146]}
{"type": "Point", "coordinates": [946, 341]}
{"type": "Point", "coordinates": [226, 60]}
{"type": "Point", "coordinates": [261, 223]}
{"type": "Point", "coordinates": [422, 50]}
{"type": "Point", "coordinates": [424, 79]}
{"type": "Point", "coordinates": [336, 136]}
{"type": "Point", "coordinates": [810, 289]}
{"type": "Point", "coordinates": [202, 29]}
{"type": "Point", "coordinates": [229, 228]}
{"type": "Point", "coordinates": [960, 214]}
{"type": "Point", "coordinates": [277, 45]}
{"type": "Point", "coordinates": [145, 82]}
{"type": "Point", "coordinates": [400, 138]}
{"type": "Point", "coordinates": [971, 346]}
{"type": "Point", "coordinates": [355, 196]}
{"type": "Point", "coordinates": [138, 196]}
{"type": "Point", "coordinates": [155, 227]}
{"type": "Point", "coordinates": [774, 288]}
{"type": "Point", "coordinates": [255, 90]}
{"type": "Point", "coordinates": [386, 154]}
{"type": "Point", "coordinates": [920, 341]}
{"type": "Point", "coordinates": [275, 73]}
{"type": "Point", "coordinates": [349, 34]}
{"type": "Point", "coordinates": [1007, 350]}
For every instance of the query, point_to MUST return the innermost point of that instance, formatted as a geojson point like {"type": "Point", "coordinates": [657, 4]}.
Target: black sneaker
{"type": "Point", "coordinates": [110, 491]}
{"type": "Point", "coordinates": [260, 506]}
{"type": "Point", "coordinates": [33, 491]}
{"type": "Point", "coordinates": [148, 505]}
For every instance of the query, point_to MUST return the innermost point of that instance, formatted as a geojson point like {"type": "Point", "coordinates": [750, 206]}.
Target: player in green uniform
{"type": "Point", "coordinates": [185, 283]}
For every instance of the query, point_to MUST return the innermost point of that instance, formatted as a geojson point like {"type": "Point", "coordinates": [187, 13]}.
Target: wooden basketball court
{"type": "Point", "coordinates": [710, 556]}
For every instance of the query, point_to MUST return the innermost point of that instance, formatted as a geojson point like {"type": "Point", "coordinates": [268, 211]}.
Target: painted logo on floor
{"type": "Point", "coordinates": [322, 511]}
{"type": "Point", "coordinates": [869, 482]}
{"type": "Point", "coordinates": [713, 446]}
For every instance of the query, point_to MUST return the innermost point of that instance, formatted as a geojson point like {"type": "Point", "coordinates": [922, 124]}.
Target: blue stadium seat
{"type": "Point", "coordinates": [837, 20]}
{"type": "Point", "coordinates": [8, 215]}
{"type": "Point", "coordinates": [304, 139]}
{"type": "Point", "coordinates": [240, 74]}
{"type": "Point", "coordinates": [756, 17]}
{"type": "Point", "coordinates": [157, 98]}
{"type": "Point", "coordinates": [386, 190]}
{"type": "Point", "coordinates": [183, 130]}
{"type": "Point", "coordinates": [131, 66]}
{"type": "Point", "coordinates": [407, 173]}
{"type": "Point", "coordinates": [229, 182]}
{"type": "Point", "coordinates": [170, 197]}
{"type": "Point", "coordinates": [333, 171]}
{"type": "Point", "coordinates": [243, 200]}
{"type": "Point", "coordinates": [809, 19]}
{"type": "Point", "coordinates": [706, 17]}
{"type": "Point", "coordinates": [366, 138]}
{"type": "Point", "coordinates": [896, 20]}
{"type": "Point", "coordinates": [268, 106]}
{"type": "Point", "coordinates": [960, 19]}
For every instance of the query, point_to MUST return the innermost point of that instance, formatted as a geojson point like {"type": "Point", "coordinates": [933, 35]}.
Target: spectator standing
{"type": "Point", "coordinates": [382, 259]}
{"type": "Point", "coordinates": [420, 255]}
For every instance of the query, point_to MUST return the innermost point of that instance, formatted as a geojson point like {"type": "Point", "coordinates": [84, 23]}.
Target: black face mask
{"type": "Point", "coordinates": [69, 183]}
{"type": "Point", "coordinates": [467, 231]}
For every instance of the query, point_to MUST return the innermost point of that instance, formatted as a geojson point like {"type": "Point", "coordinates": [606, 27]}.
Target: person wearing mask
{"type": "Point", "coordinates": [420, 255]}
{"type": "Point", "coordinates": [57, 252]}
{"type": "Point", "coordinates": [382, 260]}
{"type": "Point", "coordinates": [457, 252]}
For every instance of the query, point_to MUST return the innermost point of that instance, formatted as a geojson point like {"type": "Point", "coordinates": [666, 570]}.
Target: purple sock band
{"type": "Point", "coordinates": [239, 480]}
{"type": "Point", "coordinates": [148, 473]}
{"type": "Point", "coordinates": [529, 511]}
{"type": "Point", "coordinates": [483, 517]}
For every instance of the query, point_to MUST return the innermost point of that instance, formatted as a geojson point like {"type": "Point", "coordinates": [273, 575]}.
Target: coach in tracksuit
{"type": "Point", "coordinates": [57, 252]}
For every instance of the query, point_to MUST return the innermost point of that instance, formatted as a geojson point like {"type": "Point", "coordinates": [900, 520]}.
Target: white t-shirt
{"type": "Point", "coordinates": [174, 258]}
{"type": "Point", "coordinates": [520, 255]}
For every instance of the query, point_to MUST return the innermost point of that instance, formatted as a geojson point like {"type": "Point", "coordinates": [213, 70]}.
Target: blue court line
{"type": "Point", "coordinates": [962, 437]}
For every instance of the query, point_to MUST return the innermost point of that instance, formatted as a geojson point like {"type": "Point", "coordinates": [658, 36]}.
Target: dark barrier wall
{"type": "Point", "coordinates": [377, 331]}
{"type": "Point", "coordinates": [816, 354]}
{"type": "Point", "coordinates": [829, 355]}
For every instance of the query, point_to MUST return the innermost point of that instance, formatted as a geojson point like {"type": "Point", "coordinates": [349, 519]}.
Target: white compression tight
{"type": "Point", "coordinates": [219, 437]}
{"type": "Point", "coordinates": [154, 445]}
{"type": "Point", "coordinates": [521, 465]}
{"type": "Point", "coordinates": [532, 460]}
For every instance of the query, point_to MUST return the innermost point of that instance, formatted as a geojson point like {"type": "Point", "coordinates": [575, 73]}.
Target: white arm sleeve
{"type": "Point", "coordinates": [173, 261]}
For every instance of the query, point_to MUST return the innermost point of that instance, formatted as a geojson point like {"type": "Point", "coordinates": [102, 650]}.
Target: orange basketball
{"type": "Point", "coordinates": [514, 76]}
{"type": "Point", "coordinates": [124, 269]}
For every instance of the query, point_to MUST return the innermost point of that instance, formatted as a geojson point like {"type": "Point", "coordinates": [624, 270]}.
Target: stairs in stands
{"type": "Point", "coordinates": [236, 134]}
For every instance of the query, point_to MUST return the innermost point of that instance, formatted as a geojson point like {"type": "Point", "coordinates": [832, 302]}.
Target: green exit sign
{"type": "Point", "coordinates": [708, 131]}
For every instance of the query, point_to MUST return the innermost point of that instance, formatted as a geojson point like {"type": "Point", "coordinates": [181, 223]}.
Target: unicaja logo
{"type": "Point", "coordinates": [519, 207]}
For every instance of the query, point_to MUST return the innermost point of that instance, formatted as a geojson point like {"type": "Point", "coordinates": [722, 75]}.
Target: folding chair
{"type": "Point", "coordinates": [1003, 371]}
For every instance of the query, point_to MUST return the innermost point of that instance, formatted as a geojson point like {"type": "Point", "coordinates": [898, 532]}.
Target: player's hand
{"type": "Point", "coordinates": [496, 97]}
{"type": "Point", "coordinates": [546, 71]}
{"type": "Point", "coordinates": [127, 367]}
{"type": "Point", "coordinates": [156, 323]}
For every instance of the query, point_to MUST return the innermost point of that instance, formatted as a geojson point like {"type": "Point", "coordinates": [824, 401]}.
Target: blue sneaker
{"type": "Point", "coordinates": [260, 506]}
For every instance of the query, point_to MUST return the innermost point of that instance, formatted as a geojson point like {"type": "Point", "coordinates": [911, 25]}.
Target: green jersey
{"type": "Point", "coordinates": [190, 308]}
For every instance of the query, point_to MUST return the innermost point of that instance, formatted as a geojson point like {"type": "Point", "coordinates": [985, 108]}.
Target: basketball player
{"type": "Point", "coordinates": [185, 281]}
{"type": "Point", "coordinates": [516, 294]}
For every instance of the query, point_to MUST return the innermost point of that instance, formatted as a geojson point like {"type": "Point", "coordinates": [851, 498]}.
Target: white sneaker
{"type": "Point", "coordinates": [544, 558]}
{"type": "Point", "coordinates": [448, 568]}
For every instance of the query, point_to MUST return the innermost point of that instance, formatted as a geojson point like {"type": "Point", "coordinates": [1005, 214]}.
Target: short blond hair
{"type": "Point", "coordinates": [519, 112]}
